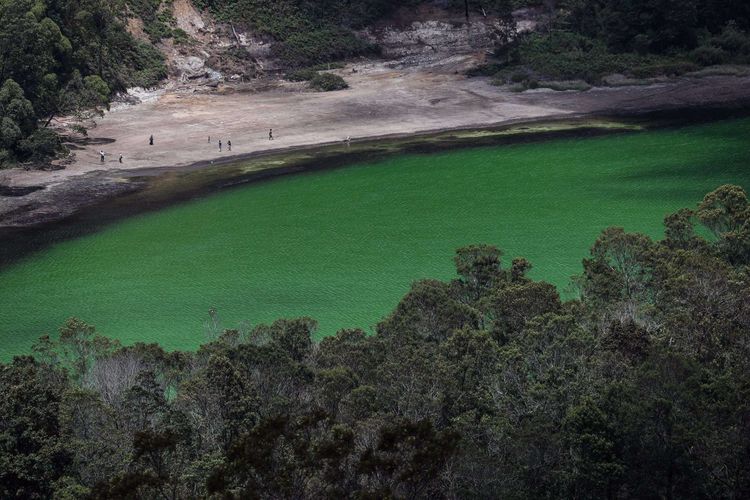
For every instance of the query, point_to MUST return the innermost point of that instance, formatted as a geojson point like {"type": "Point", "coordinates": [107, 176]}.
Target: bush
{"type": "Point", "coordinates": [664, 69]}
{"type": "Point", "coordinates": [490, 69]}
{"type": "Point", "coordinates": [577, 85]}
{"type": "Point", "coordinates": [181, 37]}
{"type": "Point", "coordinates": [317, 46]}
{"type": "Point", "coordinates": [327, 82]}
{"type": "Point", "coordinates": [567, 56]}
{"type": "Point", "coordinates": [732, 40]}
{"type": "Point", "coordinates": [302, 75]}
{"type": "Point", "coordinates": [708, 55]}
{"type": "Point", "coordinates": [7, 159]}
{"type": "Point", "coordinates": [327, 66]}
{"type": "Point", "coordinates": [519, 76]}
{"type": "Point", "coordinates": [41, 145]}
{"type": "Point", "coordinates": [151, 66]}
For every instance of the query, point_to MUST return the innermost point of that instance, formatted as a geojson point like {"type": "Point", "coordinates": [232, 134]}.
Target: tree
{"type": "Point", "coordinates": [726, 212]}
{"type": "Point", "coordinates": [511, 307]}
{"type": "Point", "coordinates": [67, 57]}
{"type": "Point", "coordinates": [479, 266]}
{"type": "Point", "coordinates": [17, 118]}
{"type": "Point", "coordinates": [430, 312]}
{"type": "Point", "coordinates": [408, 460]}
{"type": "Point", "coordinates": [594, 468]}
{"type": "Point", "coordinates": [33, 449]}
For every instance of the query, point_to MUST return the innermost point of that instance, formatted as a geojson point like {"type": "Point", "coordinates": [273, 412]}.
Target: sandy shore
{"type": "Point", "coordinates": [380, 101]}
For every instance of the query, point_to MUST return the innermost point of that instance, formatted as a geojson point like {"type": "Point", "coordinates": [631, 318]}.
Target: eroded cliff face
{"type": "Point", "coordinates": [424, 43]}
{"type": "Point", "coordinates": [216, 52]}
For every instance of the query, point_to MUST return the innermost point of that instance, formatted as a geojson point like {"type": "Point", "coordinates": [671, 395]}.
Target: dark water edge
{"type": "Point", "coordinates": [155, 189]}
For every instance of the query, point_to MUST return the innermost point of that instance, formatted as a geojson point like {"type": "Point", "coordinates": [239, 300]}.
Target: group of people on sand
{"type": "Point", "coordinates": [102, 154]}
{"type": "Point", "coordinates": [229, 142]}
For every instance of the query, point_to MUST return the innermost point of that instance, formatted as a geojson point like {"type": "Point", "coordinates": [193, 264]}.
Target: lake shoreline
{"type": "Point", "coordinates": [111, 196]}
{"type": "Point", "coordinates": [342, 246]}
{"type": "Point", "coordinates": [382, 105]}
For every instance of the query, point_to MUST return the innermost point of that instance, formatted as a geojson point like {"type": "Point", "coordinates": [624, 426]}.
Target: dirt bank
{"type": "Point", "coordinates": [381, 101]}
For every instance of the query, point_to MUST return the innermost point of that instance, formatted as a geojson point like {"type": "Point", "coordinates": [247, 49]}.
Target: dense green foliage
{"type": "Point", "coordinates": [158, 23]}
{"type": "Point", "coordinates": [485, 386]}
{"type": "Point", "coordinates": [327, 82]}
{"type": "Point", "coordinates": [589, 39]}
{"type": "Point", "coordinates": [62, 57]}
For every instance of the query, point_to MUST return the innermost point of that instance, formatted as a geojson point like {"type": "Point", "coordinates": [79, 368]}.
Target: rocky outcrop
{"type": "Point", "coordinates": [423, 42]}
{"type": "Point", "coordinates": [433, 36]}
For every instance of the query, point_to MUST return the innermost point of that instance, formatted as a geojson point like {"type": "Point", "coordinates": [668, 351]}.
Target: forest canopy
{"type": "Point", "coordinates": [592, 39]}
{"type": "Point", "coordinates": [62, 57]}
{"type": "Point", "coordinates": [488, 385]}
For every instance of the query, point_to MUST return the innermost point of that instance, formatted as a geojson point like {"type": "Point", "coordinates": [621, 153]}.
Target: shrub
{"type": "Point", "coordinates": [327, 66]}
{"type": "Point", "coordinates": [519, 76]}
{"type": "Point", "coordinates": [489, 69]}
{"type": "Point", "coordinates": [308, 48]}
{"type": "Point", "coordinates": [181, 37]}
{"type": "Point", "coordinates": [41, 145]}
{"type": "Point", "coordinates": [674, 68]}
{"type": "Point", "coordinates": [302, 75]}
{"type": "Point", "coordinates": [6, 158]}
{"type": "Point", "coordinates": [327, 82]}
{"type": "Point", "coordinates": [151, 66]}
{"type": "Point", "coordinates": [578, 85]}
{"type": "Point", "coordinates": [708, 55]}
{"type": "Point", "coordinates": [567, 56]}
{"type": "Point", "coordinates": [732, 40]}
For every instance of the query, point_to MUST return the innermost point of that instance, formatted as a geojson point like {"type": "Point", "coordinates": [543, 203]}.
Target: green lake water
{"type": "Point", "coordinates": [343, 246]}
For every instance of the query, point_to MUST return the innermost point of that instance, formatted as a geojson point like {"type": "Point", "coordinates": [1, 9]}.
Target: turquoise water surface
{"type": "Point", "coordinates": [343, 246]}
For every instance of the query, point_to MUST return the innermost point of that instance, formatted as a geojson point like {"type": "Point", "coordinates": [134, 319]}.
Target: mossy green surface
{"type": "Point", "coordinates": [342, 246]}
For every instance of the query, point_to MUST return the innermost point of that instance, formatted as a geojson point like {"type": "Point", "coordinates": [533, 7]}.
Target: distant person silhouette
{"type": "Point", "coordinates": [219, 145]}
{"type": "Point", "coordinates": [151, 141]}
{"type": "Point", "coordinates": [229, 145]}
{"type": "Point", "coordinates": [120, 159]}
{"type": "Point", "coordinates": [270, 134]}
{"type": "Point", "coordinates": [101, 156]}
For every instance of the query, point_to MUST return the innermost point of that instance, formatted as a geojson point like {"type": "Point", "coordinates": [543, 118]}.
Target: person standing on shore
{"type": "Point", "coordinates": [229, 145]}
{"type": "Point", "coordinates": [270, 134]}
{"type": "Point", "coordinates": [120, 159]}
{"type": "Point", "coordinates": [151, 140]}
{"type": "Point", "coordinates": [101, 155]}
{"type": "Point", "coordinates": [219, 145]}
